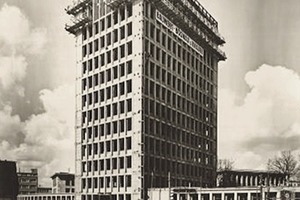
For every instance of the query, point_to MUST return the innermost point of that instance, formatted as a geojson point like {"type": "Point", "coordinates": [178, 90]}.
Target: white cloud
{"type": "Point", "coordinates": [47, 139]}
{"type": "Point", "coordinates": [267, 120]}
{"type": "Point", "coordinates": [44, 140]}
{"type": "Point", "coordinates": [17, 40]}
{"type": "Point", "coordinates": [13, 71]}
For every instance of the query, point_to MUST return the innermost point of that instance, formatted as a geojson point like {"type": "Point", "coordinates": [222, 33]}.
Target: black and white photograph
{"type": "Point", "coordinates": [149, 100]}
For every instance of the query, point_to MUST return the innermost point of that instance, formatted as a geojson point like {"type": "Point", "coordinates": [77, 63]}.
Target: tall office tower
{"type": "Point", "coordinates": [146, 113]}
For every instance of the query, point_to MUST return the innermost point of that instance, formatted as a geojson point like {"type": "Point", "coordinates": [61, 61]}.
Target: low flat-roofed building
{"type": "Point", "coordinates": [230, 193]}
{"type": "Point", "coordinates": [49, 196]}
{"type": "Point", "coordinates": [244, 178]}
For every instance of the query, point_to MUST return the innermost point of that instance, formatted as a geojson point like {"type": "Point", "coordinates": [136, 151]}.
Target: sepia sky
{"type": "Point", "coordinates": [259, 84]}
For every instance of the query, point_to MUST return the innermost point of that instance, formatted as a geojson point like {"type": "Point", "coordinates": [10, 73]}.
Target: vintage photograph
{"type": "Point", "coordinates": [149, 100]}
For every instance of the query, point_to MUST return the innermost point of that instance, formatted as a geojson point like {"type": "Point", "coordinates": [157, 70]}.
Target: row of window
{"type": "Point", "coordinates": [109, 110]}
{"type": "Point", "coordinates": [112, 196]}
{"type": "Point", "coordinates": [182, 102]}
{"type": "Point", "coordinates": [178, 81]}
{"type": "Point", "coordinates": [107, 182]}
{"type": "Point", "coordinates": [107, 164]}
{"type": "Point", "coordinates": [162, 166]}
{"type": "Point", "coordinates": [116, 90]}
{"type": "Point", "coordinates": [176, 134]}
{"type": "Point", "coordinates": [111, 55]}
{"type": "Point", "coordinates": [108, 39]}
{"type": "Point", "coordinates": [107, 75]}
{"type": "Point", "coordinates": [109, 128]}
{"type": "Point", "coordinates": [111, 73]}
{"type": "Point", "coordinates": [175, 151]}
{"type": "Point", "coordinates": [186, 121]}
{"type": "Point", "coordinates": [98, 148]}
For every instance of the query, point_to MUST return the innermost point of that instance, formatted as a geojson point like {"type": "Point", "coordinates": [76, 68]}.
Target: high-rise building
{"type": "Point", "coordinates": [146, 97]}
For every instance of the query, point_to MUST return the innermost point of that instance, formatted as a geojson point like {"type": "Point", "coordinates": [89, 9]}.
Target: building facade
{"type": "Point", "coordinates": [63, 182]}
{"type": "Point", "coordinates": [244, 178]}
{"type": "Point", "coordinates": [146, 96]}
{"type": "Point", "coordinates": [8, 180]}
{"type": "Point", "coordinates": [28, 182]}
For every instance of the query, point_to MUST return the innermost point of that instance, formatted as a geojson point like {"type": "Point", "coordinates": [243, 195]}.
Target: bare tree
{"type": "Point", "coordinates": [225, 164]}
{"type": "Point", "coordinates": [285, 163]}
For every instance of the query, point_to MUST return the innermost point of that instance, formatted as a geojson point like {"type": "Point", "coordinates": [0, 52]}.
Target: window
{"type": "Point", "coordinates": [102, 23]}
{"type": "Point", "coordinates": [115, 35]}
{"type": "Point", "coordinates": [115, 54]}
{"type": "Point", "coordinates": [129, 67]}
{"type": "Point", "coordinates": [129, 86]}
{"type": "Point", "coordinates": [108, 39]}
{"type": "Point", "coordinates": [129, 48]}
{"type": "Point", "coordinates": [128, 181]}
{"type": "Point", "coordinates": [129, 29]}
{"type": "Point", "coordinates": [122, 32]}
{"type": "Point", "coordinates": [108, 21]}
{"type": "Point", "coordinates": [129, 9]}
{"type": "Point", "coordinates": [96, 28]}
{"type": "Point", "coordinates": [129, 124]}
{"type": "Point", "coordinates": [96, 45]}
{"type": "Point", "coordinates": [129, 105]}
{"type": "Point", "coordinates": [122, 50]}
{"type": "Point", "coordinates": [122, 13]}
{"type": "Point", "coordinates": [122, 69]}
{"type": "Point", "coordinates": [128, 143]}
{"type": "Point", "coordinates": [115, 17]}
{"type": "Point", "coordinates": [102, 42]}
{"type": "Point", "coordinates": [128, 162]}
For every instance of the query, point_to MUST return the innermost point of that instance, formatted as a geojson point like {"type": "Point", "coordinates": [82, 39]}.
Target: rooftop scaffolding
{"type": "Point", "coordinates": [181, 16]}
{"type": "Point", "coordinates": [78, 23]}
{"type": "Point", "coordinates": [77, 6]}
{"type": "Point", "coordinates": [195, 13]}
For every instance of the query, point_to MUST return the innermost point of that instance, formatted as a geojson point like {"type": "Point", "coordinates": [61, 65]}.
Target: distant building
{"type": "Point", "coordinates": [63, 182]}
{"type": "Point", "coordinates": [8, 180]}
{"type": "Point", "coordinates": [28, 182]}
{"type": "Point", "coordinates": [242, 178]}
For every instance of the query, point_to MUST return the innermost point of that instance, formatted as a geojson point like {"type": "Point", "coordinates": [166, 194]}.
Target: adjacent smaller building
{"type": "Point", "coordinates": [231, 193]}
{"type": "Point", "coordinates": [63, 182]}
{"type": "Point", "coordinates": [64, 196]}
{"type": "Point", "coordinates": [244, 178]}
{"type": "Point", "coordinates": [28, 182]}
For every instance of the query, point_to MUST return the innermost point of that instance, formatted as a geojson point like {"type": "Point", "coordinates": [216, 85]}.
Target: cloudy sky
{"type": "Point", "coordinates": [259, 84]}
